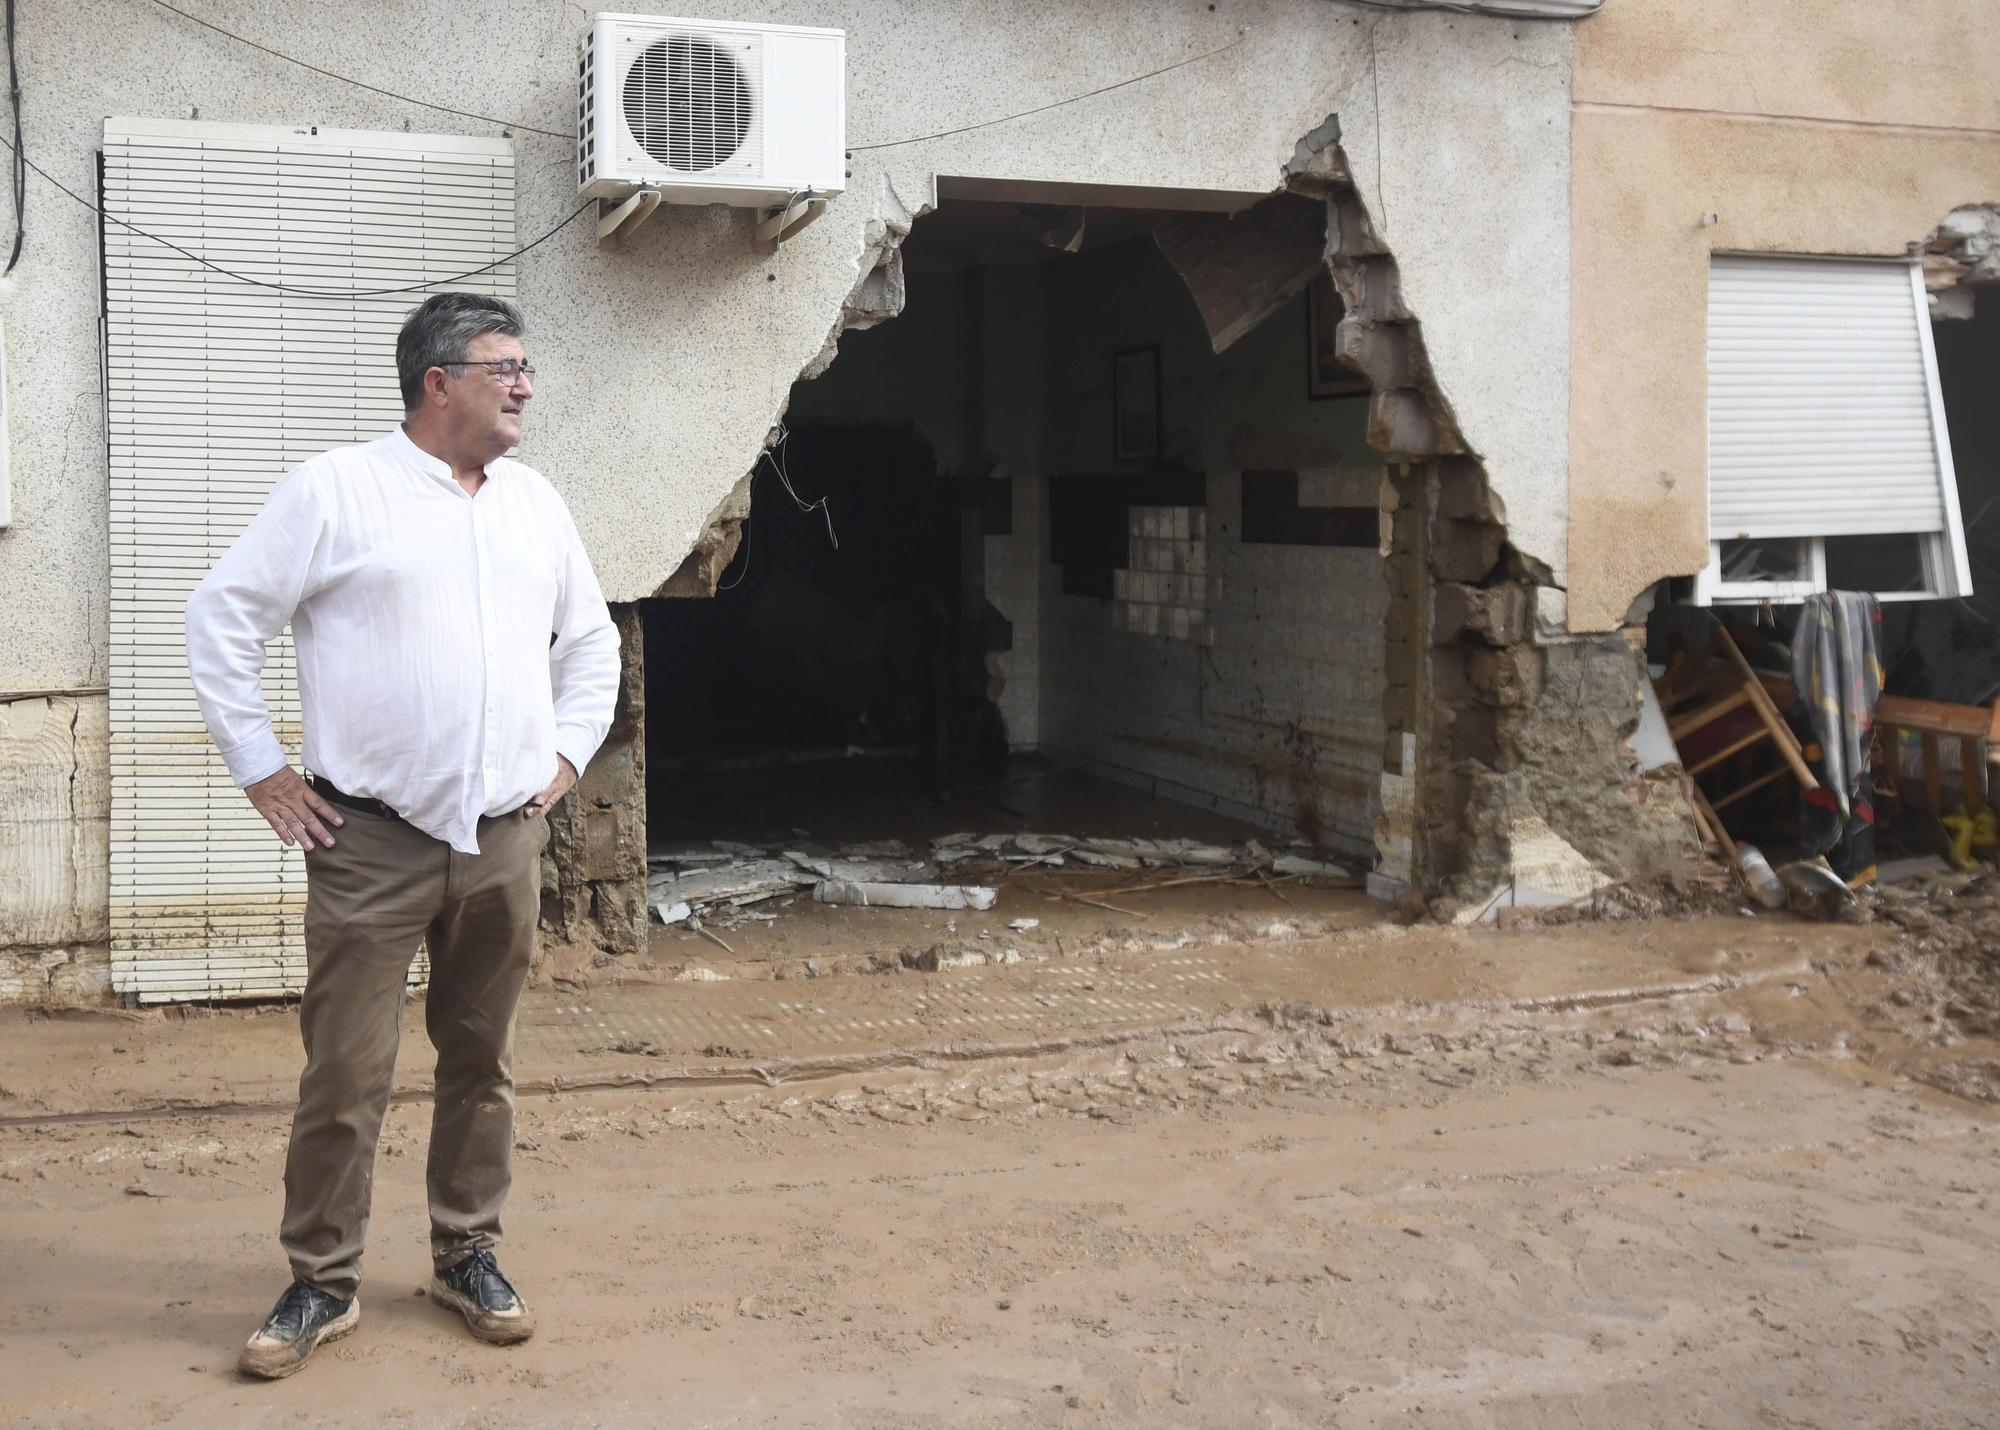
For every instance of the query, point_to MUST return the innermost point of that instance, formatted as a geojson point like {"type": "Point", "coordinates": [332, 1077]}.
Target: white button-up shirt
{"type": "Point", "coordinates": [423, 620]}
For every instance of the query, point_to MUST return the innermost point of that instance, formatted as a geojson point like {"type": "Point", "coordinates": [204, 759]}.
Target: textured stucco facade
{"type": "Point", "coordinates": [1802, 126]}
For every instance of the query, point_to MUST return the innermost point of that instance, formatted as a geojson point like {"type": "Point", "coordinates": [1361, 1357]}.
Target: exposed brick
{"type": "Point", "coordinates": [1462, 490]}
{"type": "Point", "coordinates": [1399, 664]}
{"type": "Point", "coordinates": [1475, 735]}
{"type": "Point", "coordinates": [1499, 615]}
{"type": "Point", "coordinates": [1451, 677]}
{"type": "Point", "coordinates": [1401, 420]}
{"type": "Point", "coordinates": [1380, 351]}
{"type": "Point", "coordinates": [1509, 676]}
{"type": "Point", "coordinates": [1465, 550]}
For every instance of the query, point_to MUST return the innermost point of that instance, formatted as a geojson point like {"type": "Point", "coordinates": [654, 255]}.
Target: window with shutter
{"type": "Point", "coordinates": [1825, 423]}
{"type": "Point", "coordinates": [216, 387]}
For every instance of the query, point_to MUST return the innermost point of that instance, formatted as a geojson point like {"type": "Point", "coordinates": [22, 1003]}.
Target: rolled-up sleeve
{"type": "Point", "coordinates": [242, 604]}
{"type": "Point", "coordinates": [583, 660]}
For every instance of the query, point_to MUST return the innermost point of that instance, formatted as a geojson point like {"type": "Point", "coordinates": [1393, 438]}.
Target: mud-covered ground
{"type": "Point", "coordinates": [1762, 1205]}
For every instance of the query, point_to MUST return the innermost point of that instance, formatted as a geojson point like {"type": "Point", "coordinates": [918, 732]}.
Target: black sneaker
{"type": "Point", "coordinates": [304, 1319]}
{"type": "Point", "coordinates": [475, 1288]}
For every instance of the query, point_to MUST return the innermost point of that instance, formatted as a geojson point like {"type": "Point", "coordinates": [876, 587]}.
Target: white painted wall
{"type": "Point", "coordinates": [664, 363]}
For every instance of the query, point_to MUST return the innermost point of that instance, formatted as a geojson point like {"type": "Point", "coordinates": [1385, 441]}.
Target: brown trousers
{"type": "Point", "coordinates": [382, 887]}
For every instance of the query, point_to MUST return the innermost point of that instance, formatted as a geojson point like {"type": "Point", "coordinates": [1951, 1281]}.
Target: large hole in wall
{"type": "Point", "coordinates": [1033, 559]}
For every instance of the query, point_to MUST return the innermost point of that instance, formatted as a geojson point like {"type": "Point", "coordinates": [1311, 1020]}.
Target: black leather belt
{"type": "Point", "coordinates": [327, 790]}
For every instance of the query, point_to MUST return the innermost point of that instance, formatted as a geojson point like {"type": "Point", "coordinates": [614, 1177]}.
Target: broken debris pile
{"type": "Point", "coordinates": [725, 882]}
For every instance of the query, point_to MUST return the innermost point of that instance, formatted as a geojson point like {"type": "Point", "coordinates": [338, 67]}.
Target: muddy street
{"type": "Point", "coordinates": [1739, 1202]}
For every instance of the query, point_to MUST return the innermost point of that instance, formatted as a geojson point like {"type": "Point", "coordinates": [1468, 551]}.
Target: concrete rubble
{"type": "Point", "coordinates": [727, 882]}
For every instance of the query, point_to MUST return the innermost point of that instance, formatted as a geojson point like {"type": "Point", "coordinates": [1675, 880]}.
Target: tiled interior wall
{"type": "Point", "coordinates": [1249, 679]}
{"type": "Point", "coordinates": [1164, 592]}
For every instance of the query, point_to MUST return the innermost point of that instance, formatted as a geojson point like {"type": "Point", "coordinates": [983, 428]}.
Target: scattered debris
{"type": "Point", "coordinates": [870, 895]}
{"type": "Point", "coordinates": [1300, 864]}
{"type": "Point", "coordinates": [1023, 925]}
{"type": "Point", "coordinates": [726, 880]}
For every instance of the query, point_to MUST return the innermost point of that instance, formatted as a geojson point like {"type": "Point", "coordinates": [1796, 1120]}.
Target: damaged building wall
{"type": "Point", "coordinates": [1507, 772]}
{"type": "Point", "coordinates": [55, 821]}
{"type": "Point", "coordinates": [594, 868]}
{"type": "Point", "coordinates": [1707, 126]}
{"type": "Point", "coordinates": [1227, 639]}
{"type": "Point", "coordinates": [666, 358]}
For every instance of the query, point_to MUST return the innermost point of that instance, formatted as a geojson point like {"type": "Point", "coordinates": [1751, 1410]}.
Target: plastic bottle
{"type": "Point", "coordinates": [1763, 880]}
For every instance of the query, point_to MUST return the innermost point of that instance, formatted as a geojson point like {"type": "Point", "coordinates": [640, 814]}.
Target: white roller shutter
{"type": "Point", "coordinates": [1823, 411]}
{"type": "Point", "coordinates": [215, 388]}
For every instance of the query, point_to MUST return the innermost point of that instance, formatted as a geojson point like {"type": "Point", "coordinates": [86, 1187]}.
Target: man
{"type": "Point", "coordinates": [457, 668]}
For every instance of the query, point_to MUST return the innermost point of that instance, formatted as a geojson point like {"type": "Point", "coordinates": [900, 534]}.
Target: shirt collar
{"type": "Point", "coordinates": [434, 467]}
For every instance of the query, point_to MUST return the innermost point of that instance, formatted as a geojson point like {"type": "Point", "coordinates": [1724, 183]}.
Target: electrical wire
{"type": "Point", "coordinates": [1042, 108]}
{"type": "Point", "coordinates": [19, 148]}
{"type": "Point", "coordinates": [63, 188]}
{"type": "Point", "coordinates": [346, 79]}
{"type": "Point", "coordinates": [776, 457]}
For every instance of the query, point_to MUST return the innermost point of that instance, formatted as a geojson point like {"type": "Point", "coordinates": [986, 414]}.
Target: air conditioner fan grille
{"type": "Point", "coordinates": [690, 101]}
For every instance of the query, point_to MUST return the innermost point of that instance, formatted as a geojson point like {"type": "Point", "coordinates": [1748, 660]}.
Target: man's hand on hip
{"type": "Point", "coordinates": [561, 785]}
{"type": "Point", "coordinates": [289, 805]}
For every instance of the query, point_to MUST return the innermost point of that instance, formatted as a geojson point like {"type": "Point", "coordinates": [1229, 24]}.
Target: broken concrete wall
{"type": "Point", "coordinates": [1507, 774]}
{"type": "Point", "coordinates": [55, 823]}
{"type": "Point", "coordinates": [594, 869]}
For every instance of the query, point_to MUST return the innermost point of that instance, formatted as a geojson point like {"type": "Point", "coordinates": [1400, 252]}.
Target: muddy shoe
{"type": "Point", "coordinates": [476, 1289]}
{"type": "Point", "coordinates": [304, 1319]}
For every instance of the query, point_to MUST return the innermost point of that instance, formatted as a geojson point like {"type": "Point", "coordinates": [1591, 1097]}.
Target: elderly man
{"type": "Point", "coordinates": [457, 667]}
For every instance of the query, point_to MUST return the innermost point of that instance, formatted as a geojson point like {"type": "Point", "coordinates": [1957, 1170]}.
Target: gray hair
{"type": "Point", "coordinates": [441, 328]}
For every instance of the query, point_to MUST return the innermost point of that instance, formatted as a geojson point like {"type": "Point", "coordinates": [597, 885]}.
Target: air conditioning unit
{"type": "Point", "coordinates": [710, 111]}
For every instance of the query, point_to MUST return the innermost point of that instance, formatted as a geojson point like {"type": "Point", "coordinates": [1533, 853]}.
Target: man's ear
{"type": "Point", "coordinates": [434, 380]}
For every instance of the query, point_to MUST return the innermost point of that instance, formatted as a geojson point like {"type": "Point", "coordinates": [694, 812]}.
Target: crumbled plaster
{"type": "Point", "coordinates": [72, 976]}
{"type": "Point", "coordinates": [1961, 251]}
{"type": "Point", "coordinates": [594, 869]}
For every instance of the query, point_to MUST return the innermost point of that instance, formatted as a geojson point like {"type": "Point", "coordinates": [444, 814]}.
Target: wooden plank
{"type": "Point", "coordinates": [1787, 743]}
{"type": "Point", "coordinates": [1779, 773]}
{"type": "Point", "coordinates": [1708, 714]}
{"type": "Point", "coordinates": [1937, 716]}
{"type": "Point", "coordinates": [1736, 749]}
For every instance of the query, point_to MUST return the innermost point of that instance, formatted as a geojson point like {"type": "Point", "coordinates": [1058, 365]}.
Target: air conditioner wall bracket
{"type": "Point", "coordinates": [616, 218]}
{"type": "Point", "coordinates": [775, 225]}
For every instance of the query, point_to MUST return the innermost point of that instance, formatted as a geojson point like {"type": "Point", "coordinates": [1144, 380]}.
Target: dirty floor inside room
{"type": "Point", "coordinates": [1076, 862]}
{"type": "Point", "coordinates": [1710, 1170]}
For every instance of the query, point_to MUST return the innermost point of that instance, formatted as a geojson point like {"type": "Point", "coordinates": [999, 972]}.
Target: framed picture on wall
{"type": "Point", "coordinates": [1135, 404]}
{"type": "Point", "coordinates": [1325, 377]}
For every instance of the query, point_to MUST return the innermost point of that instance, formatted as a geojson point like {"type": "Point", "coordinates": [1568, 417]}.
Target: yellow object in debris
{"type": "Point", "coordinates": [1970, 830]}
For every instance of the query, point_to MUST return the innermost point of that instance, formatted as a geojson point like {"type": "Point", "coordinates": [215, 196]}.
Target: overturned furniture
{"type": "Point", "coordinates": [1722, 717]}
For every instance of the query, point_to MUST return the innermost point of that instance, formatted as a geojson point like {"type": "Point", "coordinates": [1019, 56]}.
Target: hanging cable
{"type": "Point", "coordinates": [1045, 108]}
{"type": "Point", "coordinates": [20, 151]}
{"type": "Point", "coordinates": [63, 188]}
{"type": "Point", "coordinates": [776, 457]}
{"type": "Point", "coordinates": [345, 79]}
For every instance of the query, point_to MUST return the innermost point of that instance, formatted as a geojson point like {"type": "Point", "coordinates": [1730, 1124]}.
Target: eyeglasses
{"type": "Point", "coordinates": [507, 372]}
